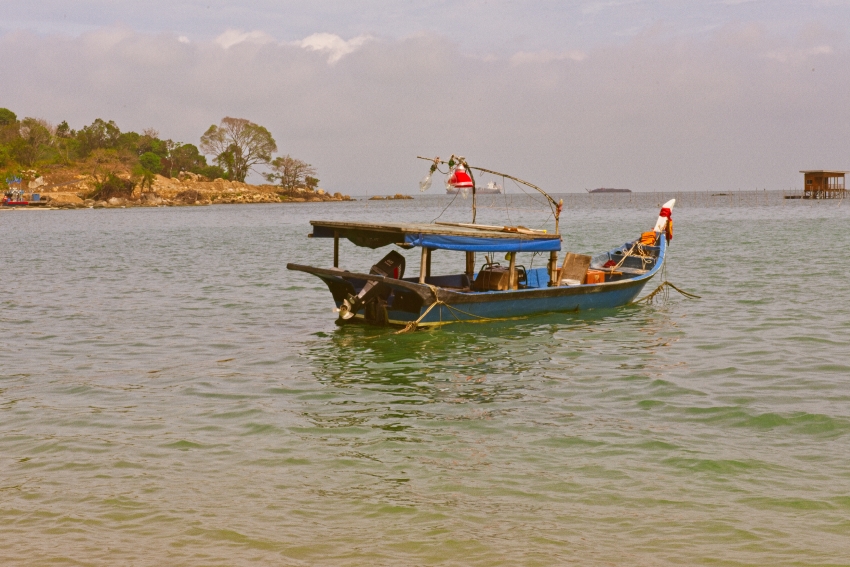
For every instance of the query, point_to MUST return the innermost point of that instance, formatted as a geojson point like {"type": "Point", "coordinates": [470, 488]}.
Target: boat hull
{"type": "Point", "coordinates": [522, 303]}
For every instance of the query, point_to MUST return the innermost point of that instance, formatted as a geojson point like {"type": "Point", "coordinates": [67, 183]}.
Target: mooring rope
{"type": "Point", "coordinates": [412, 326]}
{"type": "Point", "coordinates": [663, 286]}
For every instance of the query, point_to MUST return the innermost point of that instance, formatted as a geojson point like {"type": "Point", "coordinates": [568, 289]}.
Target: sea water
{"type": "Point", "coordinates": [170, 394]}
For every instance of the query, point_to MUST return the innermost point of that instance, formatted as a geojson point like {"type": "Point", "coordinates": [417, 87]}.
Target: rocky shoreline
{"type": "Point", "coordinates": [185, 190]}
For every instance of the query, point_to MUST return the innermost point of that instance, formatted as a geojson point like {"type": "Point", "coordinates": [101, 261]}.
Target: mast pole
{"type": "Point", "coordinates": [469, 170]}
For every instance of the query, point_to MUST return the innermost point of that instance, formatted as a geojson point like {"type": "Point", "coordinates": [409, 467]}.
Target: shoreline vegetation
{"type": "Point", "coordinates": [100, 166]}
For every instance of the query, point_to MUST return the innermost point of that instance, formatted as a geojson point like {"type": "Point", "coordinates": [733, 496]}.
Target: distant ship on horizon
{"type": "Point", "coordinates": [608, 190]}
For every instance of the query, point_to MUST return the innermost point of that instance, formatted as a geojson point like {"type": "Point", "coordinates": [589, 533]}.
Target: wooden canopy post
{"type": "Point", "coordinates": [336, 249]}
{"type": "Point", "coordinates": [512, 271]}
{"type": "Point", "coordinates": [428, 263]}
{"type": "Point", "coordinates": [553, 268]}
{"type": "Point", "coordinates": [423, 265]}
{"type": "Point", "coordinates": [470, 264]}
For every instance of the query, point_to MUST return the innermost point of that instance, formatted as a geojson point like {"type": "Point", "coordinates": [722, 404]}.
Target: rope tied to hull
{"type": "Point", "coordinates": [663, 287]}
{"type": "Point", "coordinates": [413, 325]}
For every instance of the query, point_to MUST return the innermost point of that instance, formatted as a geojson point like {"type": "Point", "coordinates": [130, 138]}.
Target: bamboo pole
{"type": "Point", "coordinates": [423, 265]}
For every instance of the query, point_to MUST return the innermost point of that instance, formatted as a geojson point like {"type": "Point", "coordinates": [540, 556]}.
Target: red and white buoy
{"type": "Point", "coordinates": [460, 178]}
{"type": "Point", "coordinates": [665, 219]}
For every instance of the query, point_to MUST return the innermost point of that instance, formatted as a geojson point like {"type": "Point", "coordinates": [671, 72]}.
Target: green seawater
{"type": "Point", "coordinates": [170, 394]}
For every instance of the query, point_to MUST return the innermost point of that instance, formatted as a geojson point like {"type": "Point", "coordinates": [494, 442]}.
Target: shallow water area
{"type": "Point", "coordinates": [171, 394]}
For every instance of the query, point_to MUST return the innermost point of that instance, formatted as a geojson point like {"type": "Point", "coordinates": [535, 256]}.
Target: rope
{"type": "Point", "coordinates": [663, 286]}
{"type": "Point", "coordinates": [447, 206]}
{"type": "Point", "coordinates": [414, 324]}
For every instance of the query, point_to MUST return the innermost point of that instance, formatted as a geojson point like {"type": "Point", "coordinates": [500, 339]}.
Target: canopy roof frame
{"type": "Point", "coordinates": [458, 238]}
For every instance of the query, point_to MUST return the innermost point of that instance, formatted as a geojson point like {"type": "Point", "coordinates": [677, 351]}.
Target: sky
{"type": "Point", "coordinates": [649, 95]}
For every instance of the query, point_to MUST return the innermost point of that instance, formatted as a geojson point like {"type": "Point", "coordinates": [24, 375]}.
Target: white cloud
{"type": "Point", "coordinates": [234, 37]}
{"type": "Point", "coordinates": [183, 39]}
{"type": "Point", "coordinates": [798, 55]}
{"type": "Point", "coordinates": [333, 45]}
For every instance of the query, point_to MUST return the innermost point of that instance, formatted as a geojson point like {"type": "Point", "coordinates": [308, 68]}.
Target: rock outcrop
{"type": "Point", "coordinates": [70, 190]}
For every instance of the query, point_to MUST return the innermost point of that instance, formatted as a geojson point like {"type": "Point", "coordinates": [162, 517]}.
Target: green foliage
{"type": "Point", "coordinates": [67, 149]}
{"type": "Point", "coordinates": [34, 143]}
{"type": "Point", "coordinates": [151, 162]}
{"type": "Point", "coordinates": [147, 144]}
{"type": "Point", "coordinates": [130, 141]}
{"type": "Point", "coordinates": [98, 135]}
{"type": "Point", "coordinates": [311, 182]}
{"type": "Point", "coordinates": [112, 186]}
{"type": "Point", "coordinates": [7, 117]}
{"type": "Point", "coordinates": [108, 154]}
{"type": "Point", "coordinates": [5, 157]}
{"type": "Point", "coordinates": [144, 176]}
{"type": "Point", "coordinates": [186, 157]}
{"type": "Point", "coordinates": [64, 131]}
{"type": "Point", "coordinates": [212, 172]}
{"type": "Point", "coordinates": [238, 145]}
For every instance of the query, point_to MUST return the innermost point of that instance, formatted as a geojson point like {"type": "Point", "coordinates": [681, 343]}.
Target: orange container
{"type": "Point", "coordinates": [595, 276]}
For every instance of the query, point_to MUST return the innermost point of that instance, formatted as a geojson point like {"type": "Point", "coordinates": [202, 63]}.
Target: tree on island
{"type": "Point", "coordinates": [36, 137]}
{"type": "Point", "coordinates": [292, 173]}
{"type": "Point", "coordinates": [238, 146]}
{"type": "Point", "coordinates": [7, 117]}
{"type": "Point", "coordinates": [118, 163]}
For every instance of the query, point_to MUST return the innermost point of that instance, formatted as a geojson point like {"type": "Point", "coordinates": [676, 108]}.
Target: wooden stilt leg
{"type": "Point", "coordinates": [336, 249]}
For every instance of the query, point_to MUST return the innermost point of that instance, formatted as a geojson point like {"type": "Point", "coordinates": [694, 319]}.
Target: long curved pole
{"type": "Point", "coordinates": [555, 206]}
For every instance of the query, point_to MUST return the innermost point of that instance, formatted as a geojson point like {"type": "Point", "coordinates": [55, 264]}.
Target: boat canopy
{"type": "Point", "coordinates": [442, 237]}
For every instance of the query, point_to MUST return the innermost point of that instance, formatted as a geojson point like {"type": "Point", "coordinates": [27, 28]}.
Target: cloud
{"type": "Point", "coordinates": [327, 43]}
{"type": "Point", "coordinates": [333, 45]}
{"type": "Point", "coordinates": [655, 113]}
{"type": "Point", "coordinates": [798, 55]}
{"type": "Point", "coordinates": [546, 56]}
{"type": "Point", "coordinates": [234, 37]}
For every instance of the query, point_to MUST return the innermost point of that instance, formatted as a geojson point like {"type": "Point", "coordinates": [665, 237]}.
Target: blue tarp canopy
{"type": "Point", "coordinates": [479, 244]}
{"type": "Point", "coordinates": [456, 236]}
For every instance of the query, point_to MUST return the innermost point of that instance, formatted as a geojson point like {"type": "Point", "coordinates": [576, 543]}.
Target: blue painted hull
{"type": "Point", "coordinates": [524, 303]}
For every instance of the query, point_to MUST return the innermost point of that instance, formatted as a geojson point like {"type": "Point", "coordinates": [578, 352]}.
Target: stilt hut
{"type": "Point", "coordinates": [820, 184]}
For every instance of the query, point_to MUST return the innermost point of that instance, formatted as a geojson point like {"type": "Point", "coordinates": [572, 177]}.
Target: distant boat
{"type": "Point", "coordinates": [608, 190]}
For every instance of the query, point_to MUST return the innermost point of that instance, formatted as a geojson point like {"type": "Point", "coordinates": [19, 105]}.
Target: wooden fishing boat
{"type": "Point", "coordinates": [490, 291]}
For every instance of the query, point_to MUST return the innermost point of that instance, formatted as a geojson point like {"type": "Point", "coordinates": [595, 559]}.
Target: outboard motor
{"type": "Point", "coordinates": [391, 266]}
